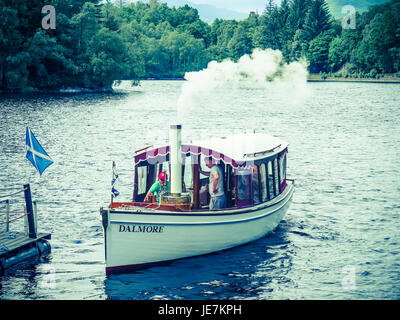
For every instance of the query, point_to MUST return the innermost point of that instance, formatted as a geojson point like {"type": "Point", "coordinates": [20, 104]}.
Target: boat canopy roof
{"type": "Point", "coordinates": [239, 150]}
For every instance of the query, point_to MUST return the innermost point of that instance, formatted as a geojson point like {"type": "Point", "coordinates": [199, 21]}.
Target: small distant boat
{"type": "Point", "coordinates": [140, 234]}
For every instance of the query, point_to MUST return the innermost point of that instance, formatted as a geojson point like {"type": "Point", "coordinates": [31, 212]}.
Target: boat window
{"type": "Point", "coordinates": [270, 180]}
{"type": "Point", "coordinates": [256, 185]}
{"type": "Point", "coordinates": [263, 176]}
{"type": "Point", "coordinates": [142, 179]}
{"type": "Point", "coordinates": [243, 185]}
{"type": "Point", "coordinates": [203, 168]}
{"type": "Point", "coordinates": [282, 168]}
{"type": "Point", "coordinates": [204, 195]}
{"type": "Point", "coordinates": [188, 173]}
{"type": "Point", "coordinates": [229, 186]}
{"type": "Point", "coordinates": [276, 177]}
{"type": "Point", "coordinates": [151, 175]}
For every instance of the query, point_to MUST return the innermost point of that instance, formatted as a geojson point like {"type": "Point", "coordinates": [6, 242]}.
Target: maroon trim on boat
{"type": "Point", "coordinates": [163, 151]}
{"type": "Point", "coordinates": [143, 149]}
{"type": "Point", "coordinates": [151, 154]}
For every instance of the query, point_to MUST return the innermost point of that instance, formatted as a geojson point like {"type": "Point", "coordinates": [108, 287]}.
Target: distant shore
{"type": "Point", "coordinates": [383, 79]}
{"type": "Point", "coordinates": [316, 77]}
{"type": "Point", "coordinates": [311, 78]}
{"type": "Point", "coordinates": [60, 90]}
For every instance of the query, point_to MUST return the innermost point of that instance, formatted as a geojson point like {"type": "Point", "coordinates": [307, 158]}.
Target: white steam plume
{"type": "Point", "coordinates": [263, 69]}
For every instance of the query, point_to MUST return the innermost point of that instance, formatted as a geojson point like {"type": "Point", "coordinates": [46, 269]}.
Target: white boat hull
{"type": "Point", "coordinates": [139, 238]}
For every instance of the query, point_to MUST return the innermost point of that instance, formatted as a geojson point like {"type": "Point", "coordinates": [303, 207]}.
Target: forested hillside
{"type": "Point", "coordinates": [94, 44]}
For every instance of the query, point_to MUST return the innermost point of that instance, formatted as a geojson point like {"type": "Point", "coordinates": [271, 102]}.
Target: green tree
{"type": "Point", "coordinates": [270, 7]}
{"type": "Point", "coordinates": [85, 26]}
{"type": "Point", "coordinates": [18, 23]}
{"type": "Point", "coordinates": [318, 53]}
{"type": "Point", "coordinates": [297, 13]}
{"type": "Point", "coordinates": [284, 34]}
{"type": "Point", "coordinates": [298, 47]}
{"type": "Point", "coordinates": [338, 53]}
{"type": "Point", "coordinates": [108, 59]}
{"type": "Point", "coordinates": [240, 43]}
{"type": "Point", "coordinates": [10, 42]}
{"type": "Point", "coordinates": [156, 58]}
{"type": "Point", "coordinates": [49, 65]}
{"type": "Point", "coordinates": [378, 37]}
{"type": "Point", "coordinates": [110, 18]}
{"type": "Point", "coordinates": [267, 34]}
{"type": "Point", "coordinates": [343, 47]}
{"type": "Point", "coordinates": [198, 29]}
{"type": "Point", "coordinates": [318, 20]}
{"type": "Point", "coordinates": [222, 32]}
{"type": "Point", "coordinates": [133, 38]}
{"type": "Point", "coordinates": [187, 14]}
{"type": "Point", "coordinates": [295, 45]}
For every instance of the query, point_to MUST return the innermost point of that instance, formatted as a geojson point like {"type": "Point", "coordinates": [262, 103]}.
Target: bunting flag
{"type": "Point", "coordinates": [35, 152]}
{"type": "Point", "coordinates": [114, 192]}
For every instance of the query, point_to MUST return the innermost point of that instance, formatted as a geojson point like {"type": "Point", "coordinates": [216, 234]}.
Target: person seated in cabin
{"type": "Point", "coordinates": [215, 185]}
{"type": "Point", "coordinates": [158, 187]}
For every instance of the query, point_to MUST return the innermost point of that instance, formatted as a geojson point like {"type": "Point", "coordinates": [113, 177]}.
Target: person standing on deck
{"type": "Point", "coordinates": [215, 185]}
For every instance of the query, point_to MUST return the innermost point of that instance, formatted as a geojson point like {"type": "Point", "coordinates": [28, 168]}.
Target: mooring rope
{"type": "Point", "coordinates": [13, 212]}
{"type": "Point", "coordinates": [12, 188]}
{"type": "Point", "coordinates": [12, 220]}
{"type": "Point", "coordinates": [14, 193]}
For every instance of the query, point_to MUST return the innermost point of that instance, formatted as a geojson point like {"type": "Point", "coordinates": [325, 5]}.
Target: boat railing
{"type": "Point", "coordinates": [145, 205]}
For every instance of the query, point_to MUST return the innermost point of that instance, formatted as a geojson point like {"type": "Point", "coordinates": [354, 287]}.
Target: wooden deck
{"type": "Point", "coordinates": [17, 248]}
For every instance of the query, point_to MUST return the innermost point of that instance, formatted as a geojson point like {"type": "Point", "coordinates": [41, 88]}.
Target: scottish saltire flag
{"type": "Point", "coordinates": [35, 152]}
{"type": "Point", "coordinates": [114, 192]}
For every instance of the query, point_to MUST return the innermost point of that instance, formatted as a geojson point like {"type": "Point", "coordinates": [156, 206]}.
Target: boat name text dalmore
{"type": "Point", "coordinates": [141, 228]}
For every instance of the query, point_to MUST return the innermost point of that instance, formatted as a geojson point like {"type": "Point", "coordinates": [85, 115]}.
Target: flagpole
{"type": "Point", "coordinates": [114, 192]}
{"type": "Point", "coordinates": [112, 177]}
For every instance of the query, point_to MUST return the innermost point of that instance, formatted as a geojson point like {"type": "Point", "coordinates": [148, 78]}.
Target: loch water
{"type": "Point", "coordinates": [340, 238]}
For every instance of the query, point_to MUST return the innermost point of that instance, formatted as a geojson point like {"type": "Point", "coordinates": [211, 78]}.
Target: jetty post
{"type": "Point", "coordinates": [7, 201]}
{"type": "Point", "coordinates": [29, 210]}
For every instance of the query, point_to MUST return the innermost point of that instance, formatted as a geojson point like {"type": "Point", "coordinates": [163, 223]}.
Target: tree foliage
{"type": "Point", "coordinates": [96, 42]}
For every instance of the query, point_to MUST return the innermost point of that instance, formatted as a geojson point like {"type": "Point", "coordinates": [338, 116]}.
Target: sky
{"type": "Point", "coordinates": [237, 5]}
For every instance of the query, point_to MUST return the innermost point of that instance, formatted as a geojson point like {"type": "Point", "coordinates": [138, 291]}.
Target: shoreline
{"type": "Point", "coordinates": [384, 79]}
{"type": "Point", "coordinates": [30, 90]}
{"type": "Point", "coordinates": [354, 80]}
{"type": "Point", "coordinates": [310, 78]}
{"type": "Point", "coordinates": [314, 78]}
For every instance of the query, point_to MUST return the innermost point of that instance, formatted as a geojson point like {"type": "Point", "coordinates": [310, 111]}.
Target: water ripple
{"type": "Point", "coordinates": [343, 154]}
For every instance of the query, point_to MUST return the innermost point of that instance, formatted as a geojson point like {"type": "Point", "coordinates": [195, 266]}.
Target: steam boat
{"type": "Point", "coordinates": [180, 224]}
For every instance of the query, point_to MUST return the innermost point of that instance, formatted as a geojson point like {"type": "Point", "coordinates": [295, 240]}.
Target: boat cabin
{"type": "Point", "coordinates": [253, 166]}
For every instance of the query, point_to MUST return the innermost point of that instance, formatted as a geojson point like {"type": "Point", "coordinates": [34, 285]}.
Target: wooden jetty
{"type": "Point", "coordinates": [18, 248]}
